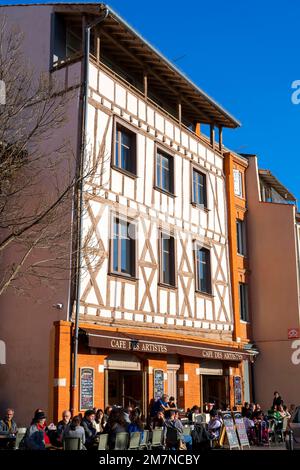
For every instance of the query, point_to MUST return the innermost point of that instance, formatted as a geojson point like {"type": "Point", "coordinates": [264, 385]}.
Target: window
{"type": "Point", "coordinates": [167, 259]}
{"type": "Point", "coordinates": [199, 188]}
{"type": "Point", "coordinates": [203, 275]}
{"type": "Point", "coordinates": [125, 151]}
{"type": "Point", "coordinates": [243, 301]}
{"type": "Point", "coordinates": [123, 247]}
{"type": "Point", "coordinates": [164, 172]}
{"type": "Point", "coordinates": [238, 184]}
{"type": "Point", "coordinates": [241, 237]}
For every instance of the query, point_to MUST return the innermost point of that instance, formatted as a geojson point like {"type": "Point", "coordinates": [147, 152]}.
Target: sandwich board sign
{"type": "Point", "coordinates": [229, 429]}
{"type": "Point", "coordinates": [241, 430]}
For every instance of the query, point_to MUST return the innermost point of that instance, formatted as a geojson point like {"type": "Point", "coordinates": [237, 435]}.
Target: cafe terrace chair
{"type": "Point", "coordinates": [122, 439]}
{"type": "Point", "coordinates": [157, 438]}
{"type": "Point", "coordinates": [134, 441]}
{"type": "Point", "coordinates": [103, 442]}
{"type": "Point", "coordinates": [186, 430]}
{"type": "Point", "coordinates": [144, 444]}
{"type": "Point", "coordinates": [20, 435]}
{"type": "Point", "coordinates": [72, 443]}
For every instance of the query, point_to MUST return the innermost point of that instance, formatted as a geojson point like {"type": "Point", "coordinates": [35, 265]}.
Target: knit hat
{"type": "Point", "coordinates": [39, 415]}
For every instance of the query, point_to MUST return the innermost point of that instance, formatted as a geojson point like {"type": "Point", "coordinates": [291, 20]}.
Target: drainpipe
{"type": "Point", "coordinates": [87, 34]}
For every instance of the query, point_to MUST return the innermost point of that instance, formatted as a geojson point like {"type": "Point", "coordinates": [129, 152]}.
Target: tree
{"type": "Point", "coordinates": [39, 177]}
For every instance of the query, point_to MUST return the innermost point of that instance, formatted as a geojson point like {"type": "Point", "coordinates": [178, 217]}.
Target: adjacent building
{"type": "Point", "coordinates": [273, 293]}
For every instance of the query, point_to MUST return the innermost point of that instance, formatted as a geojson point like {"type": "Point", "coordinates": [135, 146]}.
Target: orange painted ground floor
{"type": "Point", "coordinates": [121, 366]}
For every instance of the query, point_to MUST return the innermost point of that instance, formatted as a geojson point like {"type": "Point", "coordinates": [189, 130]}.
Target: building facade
{"type": "Point", "coordinates": [273, 244]}
{"type": "Point", "coordinates": [153, 301]}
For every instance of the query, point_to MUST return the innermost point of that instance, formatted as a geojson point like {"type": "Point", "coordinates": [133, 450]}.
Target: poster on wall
{"type": "Point", "coordinates": [86, 388]}
{"type": "Point", "coordinates": [158, 381]}
{"type": "Point", "coordinates": [237, 390]}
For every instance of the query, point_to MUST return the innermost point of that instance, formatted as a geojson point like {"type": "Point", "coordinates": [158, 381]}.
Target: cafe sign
{"type": "Point", "coordinates": [139, 345]}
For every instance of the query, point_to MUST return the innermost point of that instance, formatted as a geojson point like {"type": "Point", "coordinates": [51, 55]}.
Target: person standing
{"type": "Point", "coordinates": [277, 400]}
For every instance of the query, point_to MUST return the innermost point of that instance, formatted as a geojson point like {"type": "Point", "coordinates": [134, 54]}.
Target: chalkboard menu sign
{"type": "Point", "coordinates": [158, 383]}
{"type": "Point", "coordinates": [237, 390]}
{"type": "Point", "coordinates": [230, 431]}
{"type": "Point", "coordinates": [86, 388]}
{"type": "Point", "coordinates": [241, 430]}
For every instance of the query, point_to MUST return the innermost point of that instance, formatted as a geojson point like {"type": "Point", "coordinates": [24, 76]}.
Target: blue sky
{"type": "Point", "coordinates": [245, 54]}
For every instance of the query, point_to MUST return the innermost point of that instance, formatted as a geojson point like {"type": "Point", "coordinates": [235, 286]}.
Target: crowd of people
{"type": "Point", "coordinates": [262, 425]}
{"type": "Point", "coordinates": [163, 414]}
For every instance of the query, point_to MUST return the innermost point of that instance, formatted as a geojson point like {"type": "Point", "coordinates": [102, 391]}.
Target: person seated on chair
{"type": "Point", "coordinates": [214, 425]}
{"type": "Point", "coordinates": [90, 431]}
{"type": "Point", "coordinates": [116, 423]}
{"type": "Point", "coordinates": [159, 420]}
{"type": "Point", "coordinates": [195, 410]}
{"type": "Point", "coordinates": [74, 429]}
{"type": "Point", "coordinates": [261, 428]}
{"type": "Point", "coordinates": [7, 424]}
{"type": "Point", "coordinates": [62, 425]}
{"type": "Point", "coordinates": [99, 421]}
{"type": "Point", "coordinates": [175, 423]}
{"type": "Point", "coordinates": [136, 424]}
{"type": "Point", "coordinates": [37, 436]}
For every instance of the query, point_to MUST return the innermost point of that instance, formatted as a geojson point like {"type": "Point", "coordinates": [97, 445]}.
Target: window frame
{"type": "Point", "coordinates": [160, 257]}
{"type": "Point", "coordinates": [198, 247]}
{"type": "Point", "coordinates": [171, 156]}
{"type": "Point", "coordinates": [241, 195]}
{"type": "Point", "coordinates": [244, 303]}
{"type": "Point", "coordinates": [195, 203]}
{"type": "Point", "coordinates": [133, 257]}
{"type": "Point", "coordinates": [243, 240]}
{"type": "Point", "coordinates": [130, 129]}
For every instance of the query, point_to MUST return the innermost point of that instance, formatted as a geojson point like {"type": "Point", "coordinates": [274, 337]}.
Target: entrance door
{"type": "Point", "coordinates": [125, 388]}
{"type": "Point", "coordinates": [214, 390]}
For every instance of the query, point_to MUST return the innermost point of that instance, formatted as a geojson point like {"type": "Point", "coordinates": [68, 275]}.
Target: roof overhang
{"type": "Point", "coordinates": [267, 177]}
{"type": "Point", "coordinates": [131, 49]}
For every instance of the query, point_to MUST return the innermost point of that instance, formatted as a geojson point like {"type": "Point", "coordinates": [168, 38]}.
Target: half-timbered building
{"type": "Point", "coordinates": [152, 304]}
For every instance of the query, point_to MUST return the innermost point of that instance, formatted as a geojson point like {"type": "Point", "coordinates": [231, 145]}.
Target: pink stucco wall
{"type": "Point", "coordinates": [26, 380]}
{"type": "Point", "coordinates": [273, 292]}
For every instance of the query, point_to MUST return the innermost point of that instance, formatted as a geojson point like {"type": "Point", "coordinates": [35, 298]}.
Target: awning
{"type": "Point", "coordinates": [120, 341]}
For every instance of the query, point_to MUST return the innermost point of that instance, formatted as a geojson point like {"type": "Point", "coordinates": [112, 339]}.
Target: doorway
{"type": "Point", "coordinates": [125, 388]}
{"type": "Point", "coordinates": [215, 390]}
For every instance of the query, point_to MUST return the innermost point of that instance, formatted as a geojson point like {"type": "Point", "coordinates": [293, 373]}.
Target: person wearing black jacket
{"type": "Point", "coordinates": [277, 400]}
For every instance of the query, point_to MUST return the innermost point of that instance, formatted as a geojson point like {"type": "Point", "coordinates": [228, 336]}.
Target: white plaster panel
{"type": "Point", "coordinates": [106, 86]}
{"type": "Point", "coordinates": [142, 110]}
{"type": "Point", "coordinates": [115, 294]}
{"type": "Point", "coordinates": [150, 116]}
{"type": "Point", "coordinates": [120, 96]}
{"type": "Point", "coordinates": [209, 309]}
{"type": "Point", "coordinates": [201, 150]}
{"type": "Point", "coordinates": [116, 181]}
{"type": "Point", "coordinates": [149, 169]}
{"type": "Point", "coordinates": [210, 156]}
{"type": "Point", "coordinates": [199, 308]}
{"type": "Point", "coordinates": [159, 320]}
{"type": "Point", "coordinates": [177, 135]}
{"type": "Point", "coordinates": [169, 129]}
{"type": "Point", "coordinates": [193, 145]}
{"type": "Point", "coordinates": [128, 187]}
{"type": "Point", "coordinates": [185, 139]}
{"type": "Point", "coordinates": [163, 301]}
{"type": "Point", "coordinates": [129, 298]}
{"type": "Point", "coordinates": [93, 76]}
{"type": "Point", "coordinates": [159, 122]}
{"type": "Point", "coordinates": [172, 303]}
{"type": "Point", "coordinates": [132, 103]}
